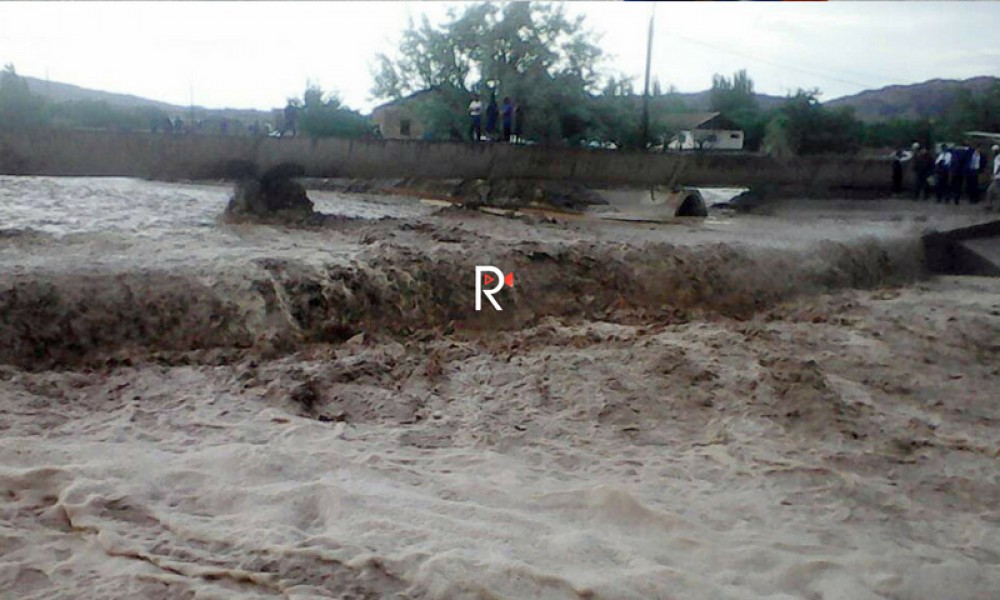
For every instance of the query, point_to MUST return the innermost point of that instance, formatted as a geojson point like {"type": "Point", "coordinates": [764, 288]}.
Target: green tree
{"type": "Point", "coordinates": [19, 108]}
{"type": "Point", "coordinates": [324, 115]}
{"type": "Point", "coordinates": [532, 52]}
{"type": "Point", "coordinates": [732, 96]}
{"type": "Point", "coordinates": [974, 112]}
{"type": "Point", "coordinates": [803, 126]}
{"type": "Point", "coordinates": [735, 98]}
{"type": "Point", "coordinates": [896, 133]}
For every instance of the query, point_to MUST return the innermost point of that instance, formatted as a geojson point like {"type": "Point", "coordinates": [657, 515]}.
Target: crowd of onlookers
{"type": "Point", "coordinates": [221, 126]}
{"type": "Point", "coordinates": [953, 172]}
{"type": "Point", "coordinates": [503, 122]}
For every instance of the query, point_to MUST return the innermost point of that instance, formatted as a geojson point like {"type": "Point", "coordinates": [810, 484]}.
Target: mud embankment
{"type": "Point", "coordinates": [50, 319]}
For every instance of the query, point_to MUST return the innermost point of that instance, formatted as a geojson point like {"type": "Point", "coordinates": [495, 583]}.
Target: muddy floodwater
{"type": "Point", "coordinates": [777, 405]}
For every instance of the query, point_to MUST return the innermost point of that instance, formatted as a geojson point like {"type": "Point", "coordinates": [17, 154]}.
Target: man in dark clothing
{"type": "Point", "coordinates": [942, 168]}
{"type": "Point", "coordinates": [897, 172]}
{"type": "Point", "coordinates": [508, 119]}
{"type": "Point", "coordinates": [959, 162]}
{"type": "Point", "coordinates": [492, 112]}
{"type": "Point", "coordinates": [291, 118]}
{"type": "Point", "coordinates": [923, 165]}
{"type": "Point", "coordinates": [519, 113]}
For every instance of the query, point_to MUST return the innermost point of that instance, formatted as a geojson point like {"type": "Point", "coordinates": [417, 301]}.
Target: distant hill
{"type": "Point", "coordinates": [64, 92]}
{"type": "Point", "coordinates": [930, 99]}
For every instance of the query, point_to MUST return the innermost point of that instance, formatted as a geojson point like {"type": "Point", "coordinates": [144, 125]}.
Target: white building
{"type": "Point", "coordinates": [703, 131]}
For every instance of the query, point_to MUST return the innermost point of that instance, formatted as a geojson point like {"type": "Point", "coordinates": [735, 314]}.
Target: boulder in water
{"type": "Point", "coordinates": [273, 196]}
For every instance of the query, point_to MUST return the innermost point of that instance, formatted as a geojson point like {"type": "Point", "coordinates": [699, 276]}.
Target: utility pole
{"type": "Point", "coordinates": [645, 95]}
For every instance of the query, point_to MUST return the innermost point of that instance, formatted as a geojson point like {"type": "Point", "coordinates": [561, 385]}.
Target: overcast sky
{"type": "Point", "coordinates": [255, 55]}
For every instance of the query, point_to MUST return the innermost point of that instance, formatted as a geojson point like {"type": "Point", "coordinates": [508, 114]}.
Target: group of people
{"type": "Point", "coordinates": [168, 125]}
{"type": "Point", "coordinates": [953, 171]}
{"type": "Point", "coordinates": [223, 126]}
{"type": "Point", "coordinates": [509, 115]}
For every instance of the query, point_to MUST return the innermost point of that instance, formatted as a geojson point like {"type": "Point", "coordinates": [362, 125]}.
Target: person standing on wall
{"type": "Point", "coordinates": [508, 118]}
{"type": "Point", "coordinates": [959, 162]}
{"type": "Point", "coordinates": [993, 195]}
{"type": "Point", "coordinates": [942, 168]}
{"type": "Point", "coordinates": [291, 116]}
{"type": "Point", "coordinates": [492, 112]}
{"type": "Point", "coordinates": [975, 167]}
{"type": "Point", "coordinates": [519, 113]}
{"type": "Point", "coordinates": [923, 166]}
{"type": "Point", "coordinates": [972, 169]}
{"type": "Point", "coordinates": [897, 172]}
{"type": "Point", "coordinates": [476, 118]}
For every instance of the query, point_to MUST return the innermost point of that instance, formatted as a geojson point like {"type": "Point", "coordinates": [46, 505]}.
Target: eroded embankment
{"type": "Point", "coordinates": [57, 319]}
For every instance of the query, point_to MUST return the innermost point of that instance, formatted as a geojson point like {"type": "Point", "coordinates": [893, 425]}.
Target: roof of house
{"type": "Point", "coordinates": [405, 99]}
{"type": "Point", "coordinates": [698, 120]}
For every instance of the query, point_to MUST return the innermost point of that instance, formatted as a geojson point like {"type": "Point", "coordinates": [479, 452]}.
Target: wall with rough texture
{"type": "Point", "coordinates": [193, 157]}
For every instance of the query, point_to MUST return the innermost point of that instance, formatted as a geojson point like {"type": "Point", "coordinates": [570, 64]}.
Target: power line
{"type": "Point", "coordinates": [784, 66]}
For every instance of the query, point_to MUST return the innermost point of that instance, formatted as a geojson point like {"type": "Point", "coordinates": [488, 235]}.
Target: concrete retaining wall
{"type": "Point", "coordinates": [160, 156]}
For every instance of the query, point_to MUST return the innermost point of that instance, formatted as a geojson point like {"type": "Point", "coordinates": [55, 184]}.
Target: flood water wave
{"type": "Point", "coordinates": [52, 319]}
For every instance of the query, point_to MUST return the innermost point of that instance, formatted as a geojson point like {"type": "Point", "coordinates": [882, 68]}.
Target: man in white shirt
{"type": "Point", "coordinates": [476, 116]}
{"type": "Point", "coordinates": [994, 193]}
{"type": "Point", "coordinates": [972, 175]}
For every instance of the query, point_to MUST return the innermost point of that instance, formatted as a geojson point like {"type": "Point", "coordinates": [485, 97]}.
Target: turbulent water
{"type": "Point", "coordinates": [772, 406]}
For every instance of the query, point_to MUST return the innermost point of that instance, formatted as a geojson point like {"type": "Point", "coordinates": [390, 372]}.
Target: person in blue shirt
{"type": "Point", "coordinates": [508, 118]}
{"type": "Point", "coordinates": [492, 112]}
{"type": "Point", "coordinates": [959, 163]}
{"type": "Point", "coordinates": [519, 112]}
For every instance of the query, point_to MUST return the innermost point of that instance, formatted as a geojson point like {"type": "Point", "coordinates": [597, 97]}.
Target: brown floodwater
{"type": "Point", "coordinates": [778, 405]}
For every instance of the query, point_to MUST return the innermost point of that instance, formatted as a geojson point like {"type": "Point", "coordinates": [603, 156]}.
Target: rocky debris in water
{"type": "Point", "coordinates": [271, 193]}
{"type": "Point", "coordinates": [274, 197]}
{"type": "Point", "coordinates": [306, 395]}
{"type": "Point", "coordinates": [517, 193]}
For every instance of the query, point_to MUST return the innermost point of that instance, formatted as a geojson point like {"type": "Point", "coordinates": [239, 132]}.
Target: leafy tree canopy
{"type": "Point", "coordinates": [806, 127]}
{"type": "Point", "coordinates": [531, 52]}
{"type": "Point", "coordinates": [736, 95]}
{"type": "Point", "coordinates": [18, 107]}
{"type": "Point", "coordinates": [324, 115]}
